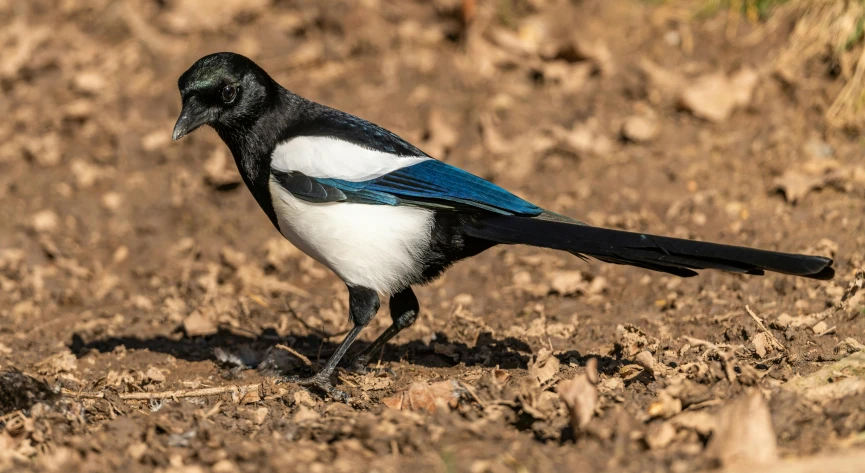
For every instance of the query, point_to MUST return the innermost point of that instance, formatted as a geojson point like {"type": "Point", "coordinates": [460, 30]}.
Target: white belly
{"type": "Point", "coordinates": [375, 246]}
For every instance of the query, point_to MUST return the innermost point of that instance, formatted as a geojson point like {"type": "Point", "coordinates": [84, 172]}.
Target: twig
{"type": "Point", "coordinates": [294, 352]}
{"type": "Point", "coordinates": [772, 340]}
{"type": "Point", "coordinates": [474, 395]}
{"type": "Point", "coordinates": [258, 300]}
{"type": "Point", "coordinates": [213, 410]}
{"type": "Point", "coordinates": [347, 381]}
{"type": "Point", "coordinates": [167, 394]}
{"type": "Point", "coordinates": [83, 394]}
{"type": "Point", "coordinates": [724, 317]}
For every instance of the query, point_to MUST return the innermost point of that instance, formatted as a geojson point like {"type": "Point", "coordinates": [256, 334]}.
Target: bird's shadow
{"type": "Point", "coordinates": [506, 353]}
{"type": "Point", "coordinates": [488, 351]}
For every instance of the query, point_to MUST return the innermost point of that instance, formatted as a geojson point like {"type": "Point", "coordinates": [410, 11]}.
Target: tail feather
{"type": "Point", "coordinates": [670, 255]}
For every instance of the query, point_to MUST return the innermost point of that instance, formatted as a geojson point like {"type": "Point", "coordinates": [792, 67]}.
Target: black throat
{"type": "Point", "coordinates": [252, 141]}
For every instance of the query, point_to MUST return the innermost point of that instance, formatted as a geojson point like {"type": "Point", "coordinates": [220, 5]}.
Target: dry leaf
{"type": "Point", "coordinates": [305, 415]}
{"type": "Point", "coordinates": [568, 283]}
{"type": "Point", "coordinates": [847, 346]}
{"type": "Point", "coordinates": [745, 435]}
{"type": "Point", "coordinates": [259, 415]}
{"type": "Point", "coordinates": [666, 406]}
{"type": "Point", "coordinates": [63, 362]}
{"type": "Point", "coordinates": [659, 435]}
{"type": "Point", "coordinates": [701, 422]}
{"type": "Point", "coordinates": [715, 96]}
{"type": "Point", "coordinates": [647, 361]}
{"type": "Point", "coordinates": [421, 396]}
{"type": "Point", "coordinates": [632, 340]}
{"type": "Point", "coordinates": [761, 344]}
{"type": "Point", "coordinates": [580, 395]}
{"type": "Point", "coordinates": [198, 324]}
{"type": "Point", "coordinates": [372, 382]}
{"type": "Point", "coordinates": [153, 375]}
{"type": "Point", "coordinates": [796, 185]}
{"type": "Point", "coordinates": [250, 397]}
{"type": "Point", "coordinates": [543, 367]}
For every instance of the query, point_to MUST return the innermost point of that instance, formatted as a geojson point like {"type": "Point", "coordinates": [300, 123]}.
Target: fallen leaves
{"type": "Point", "coordinates": [544, 367]}
{"type": "Point", "coordinates": [764, 342]}
{"type": "Point", "coordinates": [665, 406]}
{"type": "Point", "coordinates": [580, 395]}
{"type": "Point", "coordinates": [63, 362]}
{"type": "Point", "coordinates": [712, 96]}
{"type": "Point", "coordinates": [715, 96]}
{"type": "Point", "coordinates": [632, 340]}
{"type": "Point", "coordinates": [199, 324]}
{"type": "Point", "coordinates": [427, 397]}
{"type": "Point", "coordinates": [744, 434]}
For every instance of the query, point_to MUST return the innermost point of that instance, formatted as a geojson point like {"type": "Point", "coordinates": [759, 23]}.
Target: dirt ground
{"type": "Point", "coordinates": [145, 299]}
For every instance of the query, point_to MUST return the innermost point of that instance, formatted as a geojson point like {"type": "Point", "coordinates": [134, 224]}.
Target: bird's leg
{"type": "Point", "coordinates": [363, 303]}
{"type": "Point", "coordinates": [403, 311]}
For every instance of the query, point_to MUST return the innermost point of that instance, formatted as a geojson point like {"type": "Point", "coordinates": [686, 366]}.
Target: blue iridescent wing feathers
{"type": "Point", "coordinates": [431, 184]}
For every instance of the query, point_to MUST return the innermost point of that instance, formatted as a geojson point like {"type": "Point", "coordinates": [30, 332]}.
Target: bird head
{"type": "Point", "coordinates": [223, 90]}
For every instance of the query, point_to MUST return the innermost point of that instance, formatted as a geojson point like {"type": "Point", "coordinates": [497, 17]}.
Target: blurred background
{"type": "Point", "coordinates": [131, 263]}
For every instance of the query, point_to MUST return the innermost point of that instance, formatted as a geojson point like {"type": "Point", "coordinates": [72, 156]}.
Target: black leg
{"type": "Point", "coordinates": [403, 311]}
{"type": "Point", "coordinates": [363, 304]}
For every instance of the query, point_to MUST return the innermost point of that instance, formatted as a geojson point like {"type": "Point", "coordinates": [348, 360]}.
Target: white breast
{"type": "Point", "coordinates": [375, 246]}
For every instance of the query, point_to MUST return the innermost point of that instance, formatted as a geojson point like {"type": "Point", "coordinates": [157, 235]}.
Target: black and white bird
{"type": "Point", "coordinates": [384, 216]}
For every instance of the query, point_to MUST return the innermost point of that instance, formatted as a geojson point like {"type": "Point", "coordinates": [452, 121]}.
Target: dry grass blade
{"type": "Point", "coordinates": [846, 110]}
{"type": "Point", "coordinates": [833, 26]}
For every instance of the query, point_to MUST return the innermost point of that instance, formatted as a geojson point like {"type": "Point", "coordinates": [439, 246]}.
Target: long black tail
{"type": "Point", "coordinates": [658, 253]}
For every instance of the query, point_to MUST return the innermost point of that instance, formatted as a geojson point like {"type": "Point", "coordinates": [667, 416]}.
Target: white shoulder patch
{"type": "Point", "coordinates": [318, 156]}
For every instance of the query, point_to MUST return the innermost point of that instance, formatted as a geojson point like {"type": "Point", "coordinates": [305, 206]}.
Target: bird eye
{"type": "Point", "coordinates": [229, 92]}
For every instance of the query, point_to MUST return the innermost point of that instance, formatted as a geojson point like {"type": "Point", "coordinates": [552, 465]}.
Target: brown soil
{"type": "Point", "coordinates": [133, 264]}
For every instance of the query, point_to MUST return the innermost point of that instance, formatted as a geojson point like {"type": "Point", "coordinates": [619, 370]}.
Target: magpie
{"type": "Point", "coordinates": [384, 216]}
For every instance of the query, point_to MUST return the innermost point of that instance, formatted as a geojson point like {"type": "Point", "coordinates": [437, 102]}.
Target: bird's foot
{"type": "Point", "coordinates": [320, 382]}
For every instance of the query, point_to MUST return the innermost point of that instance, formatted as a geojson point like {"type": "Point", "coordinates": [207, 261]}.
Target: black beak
{"type": "Point", "coordinates": [192, 116]}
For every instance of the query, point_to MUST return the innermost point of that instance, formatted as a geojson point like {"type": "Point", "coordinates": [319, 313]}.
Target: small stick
{"type": "Point", "coordinates": [294, 352]}
{"type": "Point", "coordinates": [347, 381]}
{"type": "Point", "coordinates": [212, 410]}
{"type": "Point", "coordinates": [772, 340]}
{"type": "Point", "coordinates": [167, 394]}
{"type": "Point", "coordinates": [472, 393]}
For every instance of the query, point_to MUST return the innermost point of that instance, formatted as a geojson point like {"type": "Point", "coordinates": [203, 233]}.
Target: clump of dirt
{"type": "Point", "coordinates": [20, 392]}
